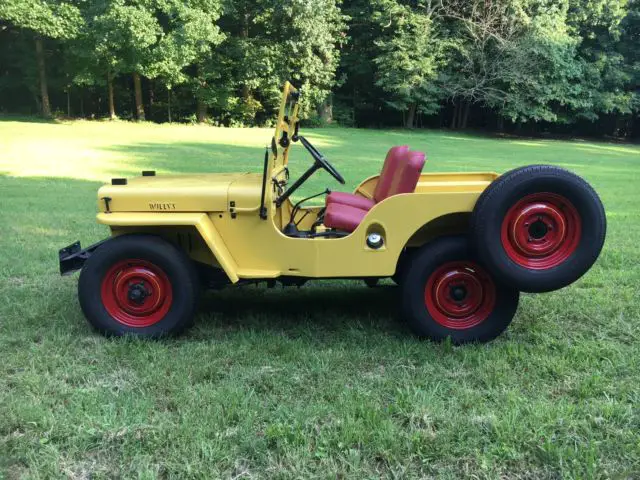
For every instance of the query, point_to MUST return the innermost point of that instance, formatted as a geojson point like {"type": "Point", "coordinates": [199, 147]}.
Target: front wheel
{"type": "Point", "coordinates": [446, 294]}
{"type": "Point", "coordinates": [139, 285]}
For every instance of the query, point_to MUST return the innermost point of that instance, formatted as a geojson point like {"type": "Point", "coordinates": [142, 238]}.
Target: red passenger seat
{"type": "Point", "coordinates": [394, 155]}
{"type": "Point", "coordinates": [343, 217]}
{"type": "Point", "coordinates": [400, 177]}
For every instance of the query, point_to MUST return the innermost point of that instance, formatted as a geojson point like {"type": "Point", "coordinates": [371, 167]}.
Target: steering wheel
{"type": "Point", "coordinates": [321, 160]}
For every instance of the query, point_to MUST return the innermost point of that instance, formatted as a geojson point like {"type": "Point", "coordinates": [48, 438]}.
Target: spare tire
{"type": "Point", "coordinates": [538, 228]}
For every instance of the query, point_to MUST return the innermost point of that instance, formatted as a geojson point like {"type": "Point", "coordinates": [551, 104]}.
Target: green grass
{"type": "Point", "coordinates": [317, 382]}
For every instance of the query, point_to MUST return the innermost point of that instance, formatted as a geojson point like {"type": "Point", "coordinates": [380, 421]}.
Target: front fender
{"type": "Point", "coordinates": [200, 221]}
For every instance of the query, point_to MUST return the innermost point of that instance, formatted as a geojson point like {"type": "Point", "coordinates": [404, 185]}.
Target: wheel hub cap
{"type": "Point", "coordinates": [460, 295]}
{"type": "Point", "coordinates": [541, 231]}
{"type": "Point", "coordinates": [136, 293]}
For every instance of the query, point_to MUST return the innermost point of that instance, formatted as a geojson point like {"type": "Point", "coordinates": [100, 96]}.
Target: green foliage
{"type": "Point", "coordinates": [156, 39]}
{"type": "Point", "coordinates": [536, 61]}
{"type": "Point", "coordinates": [564, 65]}
{"type": "Point", "coordinates": [543, 76]}
{"type": "Point", "coordinates": [268, 42]}
{"type": "Point", "coordinates": [188, 34]}
{"type": "Point", "coordinates": [410, 55]}
{"type": "Point", "coordinates": [44, 17]}
{"type": "Point", "coordinates": [125, 34]}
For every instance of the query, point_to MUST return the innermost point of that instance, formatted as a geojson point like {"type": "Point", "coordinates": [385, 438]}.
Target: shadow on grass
{"type": "Point", "coordinates": [327, 305]}
{"type": "Point", "coordinates": [192, 157]}
{"type": "Point", "coordinates": [27, 119]}
{"type": "Point", "coordinates": [315, 299]}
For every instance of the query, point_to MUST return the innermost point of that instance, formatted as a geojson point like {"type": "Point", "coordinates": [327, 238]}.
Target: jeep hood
{"type": "Point", "coordinates": [183, 193]}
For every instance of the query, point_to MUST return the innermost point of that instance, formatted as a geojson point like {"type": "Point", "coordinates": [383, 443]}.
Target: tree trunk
{"type": "Point", "coordinates": [201, 111]}
{"type": "Point", "coordinates": [244, 34]}
{"type": "Point", "coordinates": [455, 115]}
{"type": "Point", "coordinates": [325, 110]}
{"type": "Point", "coordinates": [169, 104]}
{"type": "Point", "coordinates": [151, 99]}
{"type": "Point", "coordinates": [411, 115]}
{"type": "Point", "coordinates": [500, 125]}
{"type": "Point", "coordinates": [68, 103]}
{"type": "Point", "coordinates": [246, 92]}
{"type": "Point", "coordinates": [112, 106]}
{"type": "Point", "coordinates": [465, 116]}
{"type": "Point", "coordinates": [42, 72]}
{"type": "Point", "coordinates": [201, 107]}
{"type": "Point", "coordinates": [519, 127]}
{"type": "Point", "coordinates": [138, 96]}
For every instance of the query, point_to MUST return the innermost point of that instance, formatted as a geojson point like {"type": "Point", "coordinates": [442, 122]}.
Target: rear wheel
{"type": "Point", "coordinates": [403, 262]}
{"type": "Point", "coordinates": [140, 285]}
{"type": "Point", "coordinates": [446, 294]}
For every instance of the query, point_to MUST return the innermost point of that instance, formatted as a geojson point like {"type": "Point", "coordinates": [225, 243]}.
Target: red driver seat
{"type": "Point", "coordinates": [400, 177]}
{"type": "Point", "coordinates": [394, 155]}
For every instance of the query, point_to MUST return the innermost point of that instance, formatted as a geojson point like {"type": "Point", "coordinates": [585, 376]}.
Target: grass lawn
{"type": "Point", "coordinates": [317, 382]}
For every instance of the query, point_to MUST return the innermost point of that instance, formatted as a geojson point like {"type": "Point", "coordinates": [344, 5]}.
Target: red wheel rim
{"type": "Point", "coordinates": [136, 293]}
{"type": "Point", "coordinates": [460, 295]}
{"type": "Point", "coordinates": [541, 231]}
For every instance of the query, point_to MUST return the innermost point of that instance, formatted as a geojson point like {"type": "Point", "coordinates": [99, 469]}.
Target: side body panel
{"type": "Point", "coordinates": [248, 247]}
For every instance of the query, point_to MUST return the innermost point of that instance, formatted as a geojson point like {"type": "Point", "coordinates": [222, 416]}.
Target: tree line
{"type": "Point", "coordinates": [528, 66]}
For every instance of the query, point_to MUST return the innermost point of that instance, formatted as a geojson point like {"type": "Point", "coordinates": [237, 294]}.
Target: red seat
{"type": "Point", "coordinates": [401, 177]}
{"type": "Point", "coordinates": [407, 174]}
{"type": "Point", "coordinates": [343, 217]}
{"type": "Point", "coordinates": [394, 155]}
{"type": "Point", "coordinates": [344, 198]}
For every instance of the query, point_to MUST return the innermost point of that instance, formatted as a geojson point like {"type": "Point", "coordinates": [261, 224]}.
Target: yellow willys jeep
{"type": "Point", "coordinates": [461, 246]}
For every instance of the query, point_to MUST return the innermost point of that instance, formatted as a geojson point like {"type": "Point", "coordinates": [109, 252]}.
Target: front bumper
{"type": "Point", "coordinates": [72, 257]}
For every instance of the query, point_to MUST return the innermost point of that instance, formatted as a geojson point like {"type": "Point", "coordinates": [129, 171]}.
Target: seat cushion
{"type": "Point", "coordinates": [351, 200]}
{"type": "Point", "coordinates": [343, 217]}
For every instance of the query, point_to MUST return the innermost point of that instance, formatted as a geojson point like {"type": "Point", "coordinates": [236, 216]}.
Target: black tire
{"type": "Point", "coordinates": [437, 271]}
{"type": "Point", "coordinates": [161, 278]}
{"type": "Point", "coordinates": [552, 200]}
{"type": "Point", "coordinates": [371, 282]}
{"type": "Point", "coordinates": [401, 267]}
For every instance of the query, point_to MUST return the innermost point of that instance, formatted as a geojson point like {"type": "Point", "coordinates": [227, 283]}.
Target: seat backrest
{"type": "Point", "coordinates": [394, 156]}
{"type": "Point", "coordinates": [406, 174]}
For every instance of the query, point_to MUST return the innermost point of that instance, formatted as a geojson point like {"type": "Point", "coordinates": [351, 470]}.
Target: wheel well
{"type": "Point", "coordinates": [450, 224]}
{"type": "Point", "coordinates": [186, 238]}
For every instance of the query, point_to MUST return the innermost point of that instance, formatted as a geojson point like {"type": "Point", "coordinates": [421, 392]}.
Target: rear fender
{"type": "Point", "coordinates": [450, 224]}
